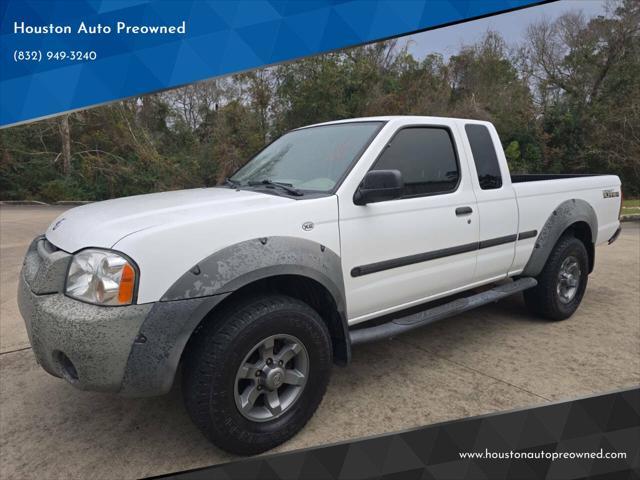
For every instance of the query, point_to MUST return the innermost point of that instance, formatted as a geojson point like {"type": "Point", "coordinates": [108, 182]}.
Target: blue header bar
{"type": "Point", "coordinates": [63, 55]}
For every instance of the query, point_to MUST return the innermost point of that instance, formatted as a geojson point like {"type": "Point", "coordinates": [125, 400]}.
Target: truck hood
{"type": "Point", "coordinates": [103, 224]}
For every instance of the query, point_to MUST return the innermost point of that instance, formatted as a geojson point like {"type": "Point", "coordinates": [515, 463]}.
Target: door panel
{"type": "Point", "coordinates": [497, 206]}
{"type": "Point", "coordinates": [400, 252]}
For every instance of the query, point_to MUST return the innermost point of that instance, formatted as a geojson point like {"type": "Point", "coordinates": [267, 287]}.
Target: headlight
{"type": "Point", "coordinates": [101, 277]}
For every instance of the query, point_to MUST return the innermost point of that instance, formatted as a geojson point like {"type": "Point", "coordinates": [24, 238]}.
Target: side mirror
{"type": "Point", "coordinates": [378, 186]}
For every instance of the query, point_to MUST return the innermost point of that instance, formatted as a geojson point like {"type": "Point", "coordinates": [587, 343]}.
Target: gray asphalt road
{"type": "Point", "coordinates": [492, 359]}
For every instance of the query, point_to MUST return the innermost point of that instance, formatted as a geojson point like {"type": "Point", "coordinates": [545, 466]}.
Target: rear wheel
{"type": "Point", "coordinates": [562, 282]}
{"type": "Point", "coordinates": [254, 376]}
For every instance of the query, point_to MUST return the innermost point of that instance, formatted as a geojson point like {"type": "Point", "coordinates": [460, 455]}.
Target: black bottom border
{"type": "Point", "coordinates": [608, 423]}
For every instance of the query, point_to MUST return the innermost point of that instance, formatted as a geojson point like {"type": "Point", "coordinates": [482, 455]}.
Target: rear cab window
{"type": "Point", "coordinates": [426, 158]}
{"type": "Point", "coordinates": [484, 156]}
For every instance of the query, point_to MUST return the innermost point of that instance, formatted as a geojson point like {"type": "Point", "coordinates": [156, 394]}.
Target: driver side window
{"type": "Point", "coordinates": [426, 158]}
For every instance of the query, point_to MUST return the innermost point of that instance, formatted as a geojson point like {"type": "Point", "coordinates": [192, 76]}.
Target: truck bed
{"type": "Point", "coordinates": [539, 194]}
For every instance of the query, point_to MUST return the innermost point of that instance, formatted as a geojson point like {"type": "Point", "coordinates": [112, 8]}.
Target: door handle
{"type": "Point", "coordinates": [464, 211]}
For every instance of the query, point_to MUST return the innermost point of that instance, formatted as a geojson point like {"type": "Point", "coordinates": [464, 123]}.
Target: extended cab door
{"type": "Point", "coordinates": [402, 252]}
{"type": "Point", "coordinates": [497, 206]}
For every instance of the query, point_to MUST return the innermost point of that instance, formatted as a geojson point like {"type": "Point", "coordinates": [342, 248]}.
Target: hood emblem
{"type": "Point", "coordinates": [307, 226]}
{"type": "Point", "coordinates": [57, 224]}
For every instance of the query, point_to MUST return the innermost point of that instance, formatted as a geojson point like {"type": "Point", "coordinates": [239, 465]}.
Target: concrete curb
{"type": "Point", "coordinates": [44, 204]}
{"type": "Point", "coordinates": [630, 218]}
{"type": "Point", "coordinates": [23, 202]}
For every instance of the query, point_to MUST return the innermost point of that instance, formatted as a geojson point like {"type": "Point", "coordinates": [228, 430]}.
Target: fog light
{"type": "Point", "coordinates": [67, 369]}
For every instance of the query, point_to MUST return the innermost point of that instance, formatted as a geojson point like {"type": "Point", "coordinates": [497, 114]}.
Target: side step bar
{"type": "Point", "coordinates": [431, 315]}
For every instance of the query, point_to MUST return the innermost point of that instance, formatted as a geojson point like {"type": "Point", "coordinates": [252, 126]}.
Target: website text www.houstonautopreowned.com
{"type": "Point", "coordinates": [542, 455]}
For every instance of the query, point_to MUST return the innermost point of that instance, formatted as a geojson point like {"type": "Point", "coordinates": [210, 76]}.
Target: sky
{"type": "Point", "coordinates": [512, 26]}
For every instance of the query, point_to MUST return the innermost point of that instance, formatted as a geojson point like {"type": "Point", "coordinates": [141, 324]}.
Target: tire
{"type": "Point", "coordinates": [552, 298]}
{"type": "Point", "coordinates": [214, 387]}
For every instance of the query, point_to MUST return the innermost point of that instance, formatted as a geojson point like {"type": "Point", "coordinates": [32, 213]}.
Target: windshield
{"type": "Point", "coordinates": [313, 158]}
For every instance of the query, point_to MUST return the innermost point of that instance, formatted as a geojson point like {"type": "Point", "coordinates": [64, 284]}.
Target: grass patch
{"type": "Point", "coordinates": [631, 206]}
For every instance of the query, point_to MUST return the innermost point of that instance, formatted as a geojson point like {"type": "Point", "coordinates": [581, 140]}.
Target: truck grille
{"type": "Point", "coordinates": [45, 266]}
{"type": "Point", "coordinates": [48, 246]}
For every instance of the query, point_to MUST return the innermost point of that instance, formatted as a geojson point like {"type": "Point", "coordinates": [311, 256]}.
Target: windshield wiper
{"type": "Point", "coordinates": [231, 183]}
{"type": "Point", "coordinates": [287, 187]}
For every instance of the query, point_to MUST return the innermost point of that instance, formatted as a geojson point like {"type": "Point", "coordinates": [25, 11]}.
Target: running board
{"type": "Point", "coordinates": [431, 315]}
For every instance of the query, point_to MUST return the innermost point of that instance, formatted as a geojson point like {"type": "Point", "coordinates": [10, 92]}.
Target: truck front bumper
{"type": "Point", "coordinates": [133, 350]}
{"type": "Point", "coordinates": [87, 345]}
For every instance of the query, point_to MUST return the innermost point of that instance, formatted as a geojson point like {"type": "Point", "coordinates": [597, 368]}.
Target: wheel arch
{"type": "Point", "coordinates": [293, 266]}
{"type": "Point", "coordinates": [573, 216]}
{"type": "Point", "coordinates": [302, 287]}
{"type": "Point", "coordinates": [582, 231]}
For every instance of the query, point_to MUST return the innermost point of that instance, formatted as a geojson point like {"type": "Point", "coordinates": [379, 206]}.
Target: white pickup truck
{"type": "Point", "coordinates": [256, 287]}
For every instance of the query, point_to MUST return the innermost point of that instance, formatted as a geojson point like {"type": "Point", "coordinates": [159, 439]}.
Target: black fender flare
{"type": "Point", "coordinates": [563, 216]}
{"type": "Point", "coordinates": [241, 264]}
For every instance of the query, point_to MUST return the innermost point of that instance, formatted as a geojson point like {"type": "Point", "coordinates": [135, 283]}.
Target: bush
{"type": "Point", "coordinates": [62, 189]}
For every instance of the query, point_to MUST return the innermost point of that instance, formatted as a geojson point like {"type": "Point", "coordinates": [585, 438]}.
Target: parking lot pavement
{"type": "Point", "coordinates": [492, 359]}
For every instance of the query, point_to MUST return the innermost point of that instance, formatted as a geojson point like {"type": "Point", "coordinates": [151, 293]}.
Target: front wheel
{"type": "Point", "coordinates": [255, 375]}
{"type": "Point", "coordinates": [562, 282]}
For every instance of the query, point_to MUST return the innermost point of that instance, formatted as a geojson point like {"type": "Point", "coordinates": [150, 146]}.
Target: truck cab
{"type": "Point", "coordinates": [445, 195]}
